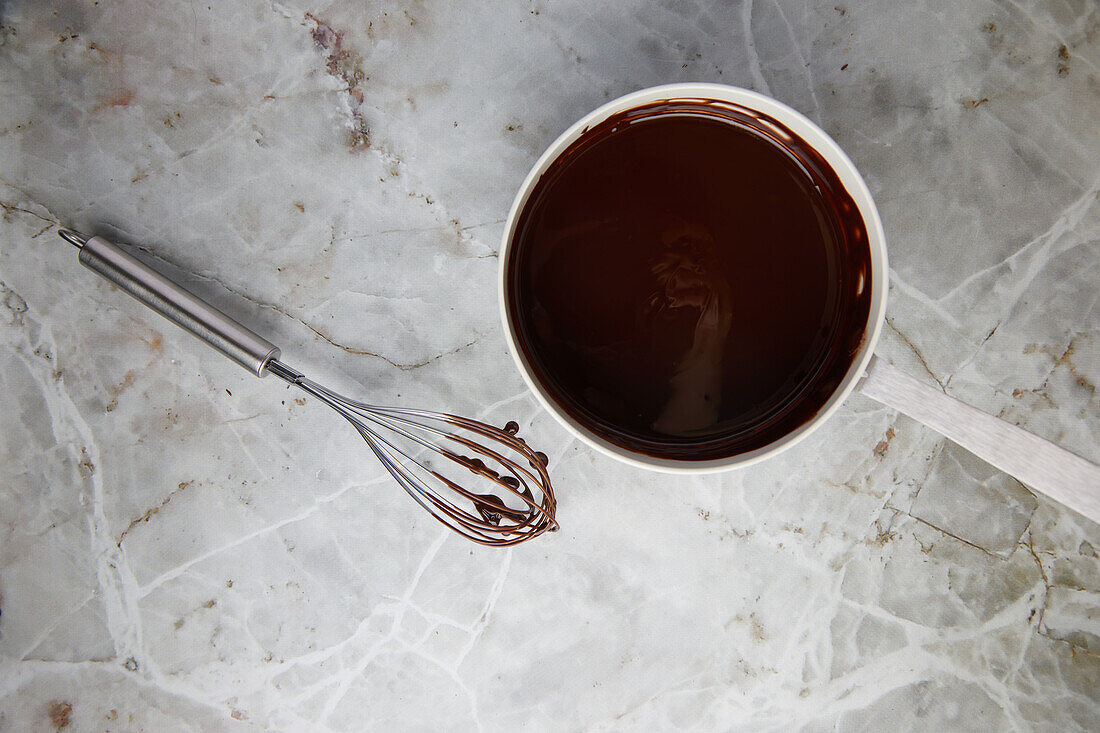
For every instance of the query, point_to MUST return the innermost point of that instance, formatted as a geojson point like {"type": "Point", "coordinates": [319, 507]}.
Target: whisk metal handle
{"type": "Point", "coordinates": [186, 310]}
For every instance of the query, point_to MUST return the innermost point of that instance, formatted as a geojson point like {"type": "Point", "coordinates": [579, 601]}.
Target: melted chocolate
{"type": "Point", "coordinates": [689, 280]}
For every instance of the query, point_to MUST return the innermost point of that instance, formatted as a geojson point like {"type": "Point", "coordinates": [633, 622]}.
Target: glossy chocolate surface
{"type": "Point", "coordinates": [689, 280]}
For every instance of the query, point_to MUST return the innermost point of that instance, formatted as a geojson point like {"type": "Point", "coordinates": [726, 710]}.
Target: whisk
{"type": "Point", "coordinates": [503, 496]}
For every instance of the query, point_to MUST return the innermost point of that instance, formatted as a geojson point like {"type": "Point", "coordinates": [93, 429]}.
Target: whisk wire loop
{"type": "Point", "coordinates": [520, 502]}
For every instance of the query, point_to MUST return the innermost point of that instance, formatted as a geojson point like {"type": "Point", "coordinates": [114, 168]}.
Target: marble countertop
{"type": "Point", "coordinates": [185, 547]}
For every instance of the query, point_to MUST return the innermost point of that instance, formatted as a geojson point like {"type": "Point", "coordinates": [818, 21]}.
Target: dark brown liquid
{"type": "Point", "coordinates": [689, 280]}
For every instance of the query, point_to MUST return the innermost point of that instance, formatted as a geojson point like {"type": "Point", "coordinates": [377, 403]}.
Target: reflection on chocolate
{"type": "Point", "coordinates": [689, 280]}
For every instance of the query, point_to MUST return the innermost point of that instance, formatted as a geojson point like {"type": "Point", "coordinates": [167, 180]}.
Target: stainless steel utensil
{"type": "Point", "coordinates": [503, 496]}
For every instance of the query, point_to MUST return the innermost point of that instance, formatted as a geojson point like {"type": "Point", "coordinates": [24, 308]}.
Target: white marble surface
{"type": "Point", "coordinates": [183, 547]}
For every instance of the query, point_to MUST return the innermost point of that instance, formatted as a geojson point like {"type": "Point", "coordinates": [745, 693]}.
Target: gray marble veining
{"type": "Point", "coordinates": [183, 546]}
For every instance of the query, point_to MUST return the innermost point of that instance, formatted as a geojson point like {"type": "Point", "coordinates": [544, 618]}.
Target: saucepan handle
{"type": "Point", "coordinates": [1063, 476]}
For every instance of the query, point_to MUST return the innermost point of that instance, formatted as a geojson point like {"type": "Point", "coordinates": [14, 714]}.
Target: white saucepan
{"type": "Point", "coordinates": [1039, 464]}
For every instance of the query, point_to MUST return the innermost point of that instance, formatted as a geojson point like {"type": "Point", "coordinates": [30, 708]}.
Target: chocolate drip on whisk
{"type": "Point", "coordinates": [519, 503]}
